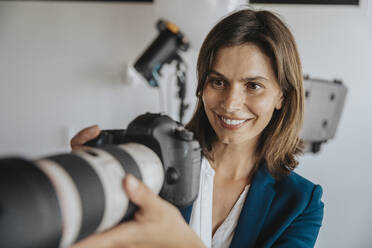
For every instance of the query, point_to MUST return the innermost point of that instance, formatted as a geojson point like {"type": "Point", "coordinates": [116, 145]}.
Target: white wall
{"type": "Point", "coordinates": [60, 70]}
{"type": "Point", "coordinates": [61, 65]}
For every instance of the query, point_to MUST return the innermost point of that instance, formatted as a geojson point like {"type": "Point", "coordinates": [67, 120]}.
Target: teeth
{"type": "Point", "coordinates": [232, 122]}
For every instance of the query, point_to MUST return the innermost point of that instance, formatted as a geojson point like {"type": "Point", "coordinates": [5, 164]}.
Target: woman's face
{"type": "Point", "coordinates": [241, 94]}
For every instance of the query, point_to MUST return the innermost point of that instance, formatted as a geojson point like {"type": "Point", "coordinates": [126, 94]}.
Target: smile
{"type": "Point", "coordinates": [232, 123]}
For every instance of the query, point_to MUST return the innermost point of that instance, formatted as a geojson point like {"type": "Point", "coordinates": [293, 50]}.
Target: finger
{"type": "Point", "coordinates": [119, 236]}
{"type": "Point", "coordinates": [85, 135]}
{"type": "Point", "coordinates": [140, 194]}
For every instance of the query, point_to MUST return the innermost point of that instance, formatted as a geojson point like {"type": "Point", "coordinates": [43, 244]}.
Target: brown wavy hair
{"type": "Point", "coordinates": [279, 142]}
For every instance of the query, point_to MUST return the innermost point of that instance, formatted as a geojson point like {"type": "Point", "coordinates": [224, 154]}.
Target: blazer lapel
{"type": "Point", "coordinates": [186, 213]}
{"type": "Point", "coordinates": [255, 209]}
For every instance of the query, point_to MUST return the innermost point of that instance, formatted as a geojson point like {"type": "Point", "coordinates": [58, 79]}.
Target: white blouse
{"type": "Point", "coordinates": [201, 215]}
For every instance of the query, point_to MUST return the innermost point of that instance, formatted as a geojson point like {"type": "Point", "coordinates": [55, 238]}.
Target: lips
{"type": "Point", "coordinates": [231, 123]}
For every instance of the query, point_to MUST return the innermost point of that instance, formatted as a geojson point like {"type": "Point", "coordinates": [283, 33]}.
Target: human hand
{"type": "Point", "coordinates": [156, 223]}
{"type": "Point", "coordinates": [83, 136]}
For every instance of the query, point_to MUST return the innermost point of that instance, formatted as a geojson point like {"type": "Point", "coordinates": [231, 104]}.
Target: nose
{"type": "Point", "coordinates": [234, 100]}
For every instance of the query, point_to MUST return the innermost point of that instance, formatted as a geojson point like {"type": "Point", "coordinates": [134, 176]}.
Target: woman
{"type": "Point", "coordinates": [248, 117]}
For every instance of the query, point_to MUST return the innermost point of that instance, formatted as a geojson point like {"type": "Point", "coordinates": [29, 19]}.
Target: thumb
{"type": "Point", "coordinates": [85, 135]}
{"type": "Point", "coordinates": [140, 194]}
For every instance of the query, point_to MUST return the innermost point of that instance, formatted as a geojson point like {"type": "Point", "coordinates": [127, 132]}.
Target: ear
{"type": "Point", "coordinates": [279, 102]}
{"type": "Point", "coordinates": [199, 94]}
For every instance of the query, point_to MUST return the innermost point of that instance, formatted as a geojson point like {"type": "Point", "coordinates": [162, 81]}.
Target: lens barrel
{"type": "Point", "coordinates": [58, 200]}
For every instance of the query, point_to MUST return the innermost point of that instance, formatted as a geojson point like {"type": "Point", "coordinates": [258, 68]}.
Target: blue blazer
{"type": "Point", "coordinates": [277, 213]}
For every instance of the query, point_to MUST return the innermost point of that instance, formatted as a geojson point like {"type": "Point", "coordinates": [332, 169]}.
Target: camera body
{"type": "Point", "coordinates": [179, 153]}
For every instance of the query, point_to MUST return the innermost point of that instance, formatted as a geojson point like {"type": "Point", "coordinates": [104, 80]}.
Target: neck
{"type": "Point", "coordinates": [234, 161]}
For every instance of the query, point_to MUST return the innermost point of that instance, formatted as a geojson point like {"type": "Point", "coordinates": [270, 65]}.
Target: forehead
{"type": "Point", "coordinates": [245, 60]}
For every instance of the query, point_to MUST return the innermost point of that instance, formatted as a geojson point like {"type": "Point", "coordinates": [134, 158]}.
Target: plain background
{"type": "Point", "coordinates": [62, 66]}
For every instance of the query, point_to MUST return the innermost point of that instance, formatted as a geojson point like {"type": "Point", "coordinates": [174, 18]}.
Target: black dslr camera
{"type": "Point", "coordinates": [172, 143]}
{"type": "Point", "coordinates": [57, 200]}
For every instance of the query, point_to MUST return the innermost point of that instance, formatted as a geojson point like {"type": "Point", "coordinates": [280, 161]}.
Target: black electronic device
{"type": "Point", "coordinates": [58, 200]}
{"type": "Point", "coordinates": [164, 50]}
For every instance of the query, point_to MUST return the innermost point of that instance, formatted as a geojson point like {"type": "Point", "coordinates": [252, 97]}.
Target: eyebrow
{"type": "Point", "coordinates": [247, 79]}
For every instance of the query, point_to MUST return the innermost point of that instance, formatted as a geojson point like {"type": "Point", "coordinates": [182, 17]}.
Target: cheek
{"type": "Point", "coordinates": [210, 99]}
{"type": "Point", "coordinates": [263, 106]}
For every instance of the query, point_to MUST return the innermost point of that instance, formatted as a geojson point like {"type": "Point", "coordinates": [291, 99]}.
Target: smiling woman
{"type": "Point", "coordinates": [248, 117]}
{"type": "Point", "coordinates": [241, 94]}
{"type": "Point", "coordinates": [257, 50]}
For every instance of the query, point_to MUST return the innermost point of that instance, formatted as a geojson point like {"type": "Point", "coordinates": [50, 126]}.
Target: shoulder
{"type": "Point", "coordinates": [295, 182]}
{"type": "Point", "coordinates": [293, 190]}
{"type": "Point", "coordinates": [291, 184]}
{"type": "Point", "coordinates": [298, 192]}
{"type": "Point", "coordinates": [297, 185]}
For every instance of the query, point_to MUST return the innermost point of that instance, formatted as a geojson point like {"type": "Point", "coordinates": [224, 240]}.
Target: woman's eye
{"type": "Point", "coordinates": [253, 86]}
{"type": "Point", "coordinates": [218, 83]}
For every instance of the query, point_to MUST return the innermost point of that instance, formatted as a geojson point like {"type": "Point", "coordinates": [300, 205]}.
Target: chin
{"type": "Point", "coordinates": [237, 139]}
{"type": "Point", "coordinates": [231, 140]}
